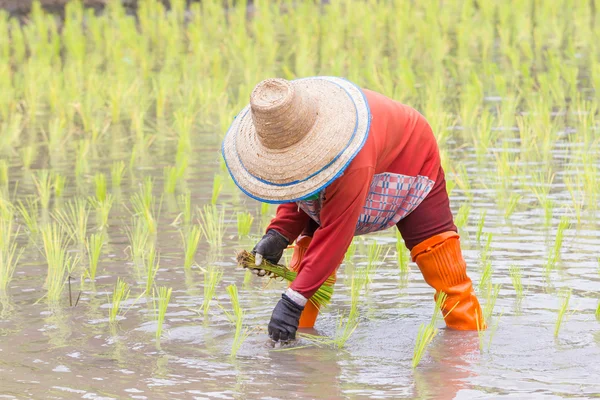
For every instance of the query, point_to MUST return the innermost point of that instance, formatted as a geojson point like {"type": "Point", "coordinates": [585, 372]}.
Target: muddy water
{"type": "Point", "coordinates": [72, 352]}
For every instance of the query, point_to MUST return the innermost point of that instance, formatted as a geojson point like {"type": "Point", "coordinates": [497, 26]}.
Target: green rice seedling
{"type": "Point", "coordinates": [184, 201]}
{"type": "Point", "coordinates": [100, 181]}
{"type": "Point", "coordinates": [162, 296]}
{"type": "Point", "coordinates": [554, 253]}
{"type": "Point", "coordinates": [480, 331]}
{"type": "Point", "coordinates": [120, 294]}
{"type": "Point", "coordinates": [516, 275]}
{"type": "Point", "coordinates": [152, 264]}
{"type": "Point", "coordinates": [73, 219]}
{"type": "Point", "coordinates": [144, 204]}
{"type": "Point", "coordinates": [463, 182]}
{"type": "Point", "coordinates": [212, 277]}
{"type": "Point", "coordinates": [94, 245]}
{"type": "Point", "coordinates": [43, 184]}
{"type": "Point", "coordinates": [428, 331]}
{"type": "Point", "coordinates": [321, 298]}
{"type": "Point", "coordinates": [59, 185]}
{"type": "Point", "coordinates": [81, 157]}
{"type": "Point", "coordinates": [60, 263]}
{"type": "Point", "coordinates": [28, 154]}
{"type": "Point", "coordinates": [102, 209]}
{"type": "Point", "coordinates": [216, 189]}
{"type": "Point", "coordinates": [598, 311]}
{"type": "Point", "coordinates": [237, 319]}
{"type": "Point", "coordinates": [374, 255]}
{"type": "Point", "coordinates": [402, 254]}
{"type": "Point", "coordinates": [244, 224]}
{"type": "Point", "coordinates": [561, 311]}
{"type": "Point", "coordinates": [30, 214]}
{"type": "Point", "coordinates": [190, 244]}
{"type": "Point", "coordinates": [480, 225]}
{"type": "Point", "coordinates": [139, 238]}
{"type": "Point", "coordinates": [490, 303]}
{"type": "Point", "coordinates": [117, 170]}
{"type": "Point", "coordinates": [212, 223]}
{"type": "Point", "coordinates": [350, 252]}
{"type": "Point", "coordinates": [511, 205]}
{"type": "Point", "coordinates": [347, 324]}
{"type": "Point", "coordinates": [9, 256]}
{"type": "Point", "coordinates": [486, 277]}
{"type": "Point", "coordinates": [487, 249]}
{"type": "Point", "coordinates": [462, 216]}
{"type": "Point", "coordinates": [171, 178]}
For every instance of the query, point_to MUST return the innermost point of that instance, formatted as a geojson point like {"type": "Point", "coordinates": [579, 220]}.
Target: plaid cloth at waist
{"type": "Point", "coordinates": [391, 197]}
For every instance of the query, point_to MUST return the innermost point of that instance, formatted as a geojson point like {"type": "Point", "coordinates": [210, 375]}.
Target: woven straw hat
{"type": "Point", "coordinates": [295, 137]}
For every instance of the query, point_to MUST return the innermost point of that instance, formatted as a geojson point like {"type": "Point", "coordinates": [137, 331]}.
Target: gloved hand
{"type": "Point", "coordinates": [270, 247]}
{"type": "Point", "coordinates": [285, 319]}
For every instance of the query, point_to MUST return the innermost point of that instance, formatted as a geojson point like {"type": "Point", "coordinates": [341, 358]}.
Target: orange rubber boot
{"type": "Point", "coordinates": [441, 262]}
{"type": "Point", "coordinates": [311, 311]}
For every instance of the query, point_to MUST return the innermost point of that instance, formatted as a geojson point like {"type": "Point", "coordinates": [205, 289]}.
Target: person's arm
{"type": "Point", "coordinates": [344, 202]}
{"type": "Point", "coordinates": [289, 221]}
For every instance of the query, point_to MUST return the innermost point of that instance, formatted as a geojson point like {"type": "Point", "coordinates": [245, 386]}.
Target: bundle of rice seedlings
{"type": "Point", "coordinates": [321, 298]}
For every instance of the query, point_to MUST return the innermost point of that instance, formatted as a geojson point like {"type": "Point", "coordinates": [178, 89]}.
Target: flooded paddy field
{"type": "Point", "coordinates": [119, 224]}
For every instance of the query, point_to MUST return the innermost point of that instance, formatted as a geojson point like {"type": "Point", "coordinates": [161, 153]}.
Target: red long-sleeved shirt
{"type": "Point", "coordinates": [400, 141]}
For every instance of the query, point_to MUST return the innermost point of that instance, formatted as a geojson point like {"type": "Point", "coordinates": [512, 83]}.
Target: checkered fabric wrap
{"type": "Point", "coordinates": [391, 197]}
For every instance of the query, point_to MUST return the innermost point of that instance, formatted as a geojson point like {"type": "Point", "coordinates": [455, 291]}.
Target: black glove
{"type": "Point", "coordinates": [270, 247]}
{"type": "Point", "coordinates": [285, 319]}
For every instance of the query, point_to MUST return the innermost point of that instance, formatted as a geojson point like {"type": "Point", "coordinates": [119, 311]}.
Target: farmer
{"type": "Point", "coordinates": [344, 161]}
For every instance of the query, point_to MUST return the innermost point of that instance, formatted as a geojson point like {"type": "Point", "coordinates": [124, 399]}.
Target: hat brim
{"type": "Point", "coordinates": [316, 161]}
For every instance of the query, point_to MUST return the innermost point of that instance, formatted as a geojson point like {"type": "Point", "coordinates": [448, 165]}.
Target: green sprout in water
{"type": "Point", "coordinates": [144, 204]}
{"type": "Point", "coordinates": [9, 256]}
{"type": "Point", "coordinates": [347, 323]}
{"type": "Point", "coordinates": [374, 255]}
{"type": "Point", "coordinates": [244, 224]}
{"type": "Point", "coordinates": [190, 243]}
{"type": "Point", "coordinates": [59, 184]}
{"type": "Point", "coordinates": [100, 181]}
{"type": "Point", "coordinates": [428, 331]}
{"type": "Point", "coordinates": [212, 223]}
{"type": "Point", "coordinates": [516, 275]}
{"type": "Point", "coordinates": [562, 311]}
{"type": "Point", "coordinates": [74, 218]}
{"type": "Point", "coordinates": [161, 300]}
{"type": "Point", "coordinates": [43, 184]}
{"type": "Point", "coordinates": [29, 213]}
{"type": "Point", "coordinates": [554, 253]}
{"type": "Point", "coordinates": [102, 209]}
{"type": "Point", "coordinates": [480, 225]}
{"type": "Point", "coordinates": [402, 254]}
{"type": "Point", "coordinates": [120, 294]}
{"type": "Point", "coordinates": [216, 189]}
{"type": "Point", "coordinates": [350, 252]}
{"type": "Point", "coordinates": [117, 170]}
{"type": "Point", "coordinates": [212, 277]}
{"type": "Point", "coordinates": [237, 319]}
{"type": "Point", "coordinates": [94, 245]}
{"type": "Point", "coordinates": [184, 201]}
{"type": "Point", "coordinates": [60, 263]}
{"type": "Point", "coordinates": [462, 216]}
{"type": "Point", "coordinates": [139, 238]}
{"type": "Point", "coordinates": [152, 265]}
{"type": "Point", "coordinates": [511, 205]}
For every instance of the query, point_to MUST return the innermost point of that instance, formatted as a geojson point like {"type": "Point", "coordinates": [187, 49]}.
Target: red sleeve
{"type": "Point", "coordinates": [289, 221]}
{"type": "Point", "coordinates": [344, 201]}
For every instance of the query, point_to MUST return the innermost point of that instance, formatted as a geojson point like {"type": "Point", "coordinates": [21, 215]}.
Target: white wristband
{"type": "Point", "coordinates": [296, 297]}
